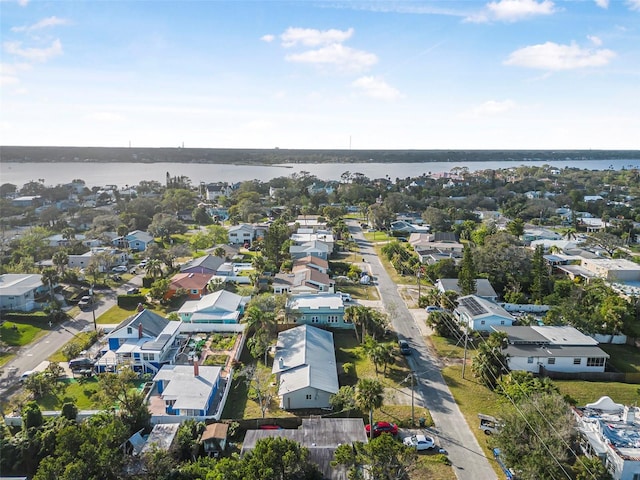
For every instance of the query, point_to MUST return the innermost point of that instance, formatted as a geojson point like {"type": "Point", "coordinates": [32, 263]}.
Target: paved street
{"type": "Point", "coordinates": [30, 356]}
{"type": "Point", "coordinates": [467, 458]}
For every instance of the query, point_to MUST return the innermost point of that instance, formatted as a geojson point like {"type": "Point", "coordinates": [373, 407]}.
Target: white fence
{"type": "Point", "coordinates": [212, 327]}
{"type": "Point", "coordinates": [527, 308]}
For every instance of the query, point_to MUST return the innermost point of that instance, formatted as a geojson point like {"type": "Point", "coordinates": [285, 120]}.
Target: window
{"type": "Point", "coordinates": [129, 330]}
{"type": "Point", "coordinates": [482, 322]}
{"type": "Point", "coordinates": [551, 361]}
{"type": "Point", "coordinates": [194, 291]}
{"type": "Point", "coordinates": [148, 356]}
{"type": "Point", "coordinates": [529, 359]}
{"type": "Point", "coordinates": [308, 397]}
{"type": "Point", "coordinates": [596, 362]}
{"type": "Point", "coordinates": [315, 319]}
{"type": "Point", "coordinates": [577, 361]}
{"type": "Point", "coordinates": [332, 318]}
{"type": "Point", "coordinates": [501, 322]}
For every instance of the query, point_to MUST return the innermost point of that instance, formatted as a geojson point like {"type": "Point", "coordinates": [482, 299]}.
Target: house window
{"type": "Point", "coordinates": [233, 234]}
{"type": "Point", "coordinates": [194, 291]}
{"type": "Point", "coordinates": [482, 322]}
{"type": "Point", "coordinates": [501, 322]}
{"type": "Point", "coordinates": [529, 359]}
{"type": "Point", "coordinates": [551, 361]}
{"type": "Point", "coordinates": [315, 319]}
{"type": "Point", "coordinates": [148, 356]}
{"type": "Point", "coordinates": [332, 318]}
{"type": "Point", "coordinates": [596, 362]}
{"type": "Point", "coordinates": [577, 361]}
{"type": "Point", "coordinates": [129, 330]}
{"type": "Point", "coordinates": [636, 476]}
{"type": "Point", "coordinates": [308, 397]}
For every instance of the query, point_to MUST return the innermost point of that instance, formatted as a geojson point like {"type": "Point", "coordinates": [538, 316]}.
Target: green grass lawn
{"type": "Point", "coordinates": [6, 357]}
{"type": "Point", "coordinates": [582, 392]}
{"type": "Point", "coordinates": [377, 236]}
{"type": "Point", "coordinates": [360, 292]}
{"type": "Point", "coordinates": [83, 392]}
{"type": "Point", "coordinates": [116, 314]}
{"type": "Point", "coordinates": [19, 333]}
{"type": "Point", "coordinates": [625, 358]}
{"type": "Point", "coordinates": [450, 348]}
{"type": "Point", "coordinates": [82, 339]}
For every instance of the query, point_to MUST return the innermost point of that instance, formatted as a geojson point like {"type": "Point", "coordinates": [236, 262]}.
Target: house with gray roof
{"type": "Point", "coordinates": [314, 248]}
{"type": "Point", "coordinates": [205, 264]}
{"type": "Point", "coordinates": [217, 307]}
{"type": "Point", "coordinates": [305, 368]}
{"type": "Point", "coordinates": [484, 289]}
{"type": "Point", "coordinates": [18, 291]}
{"type": "Point", "coordinates": [188, 390]}
{"type": "Point", "coordinates": [540, 349]}
{"type": "Point", "coordinates": [321, 436]}
{"type": "Point", "coordinates": [144, 341]}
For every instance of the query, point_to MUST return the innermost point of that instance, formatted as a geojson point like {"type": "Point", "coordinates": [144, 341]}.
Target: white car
{"type": "Point", "coordinates": [26, 375]}
{"type": "Point", "coordinates": [419, 442]}
{"type": "Point", "coordinates": [119, 269]}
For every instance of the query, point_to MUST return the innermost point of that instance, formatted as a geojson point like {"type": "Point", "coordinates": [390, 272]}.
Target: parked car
{"type": "Point", "coordinates": [346, 297]}
{"type": "Point", "coordinates": [405, 349]}
{"type": "Point", "coordinates": [433, 308]}
{"type": "Point", "coordinates": [419, 442]}
{"type": "Point", "coordinates": [85, 302]}
{"type": "Point", "coordinates": [120, 269]}
{"type": "Point", "coordinates": [81, 363]}
{"type": "Point", "coordinates": [381, 427]}
{"type": "Point", "coordinates": [26, 375]}
{"type": "Point", "coordinates": [133, 291]}
{"type": "Point", "coordinates": [489, 424]}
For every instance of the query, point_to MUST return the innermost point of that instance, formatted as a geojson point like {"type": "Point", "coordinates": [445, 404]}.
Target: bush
{"type": "Point", "coordinates": [129, 302]}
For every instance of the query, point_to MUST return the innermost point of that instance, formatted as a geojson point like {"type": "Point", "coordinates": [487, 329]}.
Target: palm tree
{"type": "Point", "coordinates": [153, 267]}
{"type": "Point", "coordinates": [50, 278]}
{"type": "Point", "coordinates": [219, 252]}
{"type": "Point", "coordinates": [369, 396]}
{"type": "Point", "coordinates": [60, 259]}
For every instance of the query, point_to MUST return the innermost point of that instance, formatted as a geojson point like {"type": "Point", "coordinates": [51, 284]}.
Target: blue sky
{"type": "Point", "coordinates": [505, 74]}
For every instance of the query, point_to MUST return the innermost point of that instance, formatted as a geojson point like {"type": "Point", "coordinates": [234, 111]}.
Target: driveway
{"type": "Point", "coordinates": [30, 356]}
{"type": "Point", "coordinates": [454, 435]}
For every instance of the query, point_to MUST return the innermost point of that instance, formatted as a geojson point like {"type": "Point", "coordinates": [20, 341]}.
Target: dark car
{"type": "Point", "coordinates": [81, 363]}
{"type": "Point", "coordinates": [382, 427]}
{"type": "Point", "coordinates": [405, 349]}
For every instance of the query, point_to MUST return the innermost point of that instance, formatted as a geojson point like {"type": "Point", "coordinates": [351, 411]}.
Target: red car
{"type": "Point", "coordinates": [381, 427]}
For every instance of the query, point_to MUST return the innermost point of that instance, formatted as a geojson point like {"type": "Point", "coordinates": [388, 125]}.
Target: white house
{"type": "Point", "coordinates": [554, 349]}
{"type": "Point", "coordinates": [305, 368]}
{"type": "Point", "coordinates": [314, 248]}
{"type": "Point", "coordinates": [241, 234]}
{"type": "Point", "coordinates": [611, 432]}
{"type": "Point", "coordinates": [302, 280]}
{"type": "Point", "coordinates": [145, 341]}
{"type": "Point", "coordinates": [477, 313]}
{"type": "Point", "coordinates": [307, 235]}
{"type": "Point", "coordinates": [326, 309]}
{"type": "Point", "coordinates": [115, 257]}
{"type": "Point", "coordinates": [613, 269]}
{"type": "Point", "coordinates": [484, 289]}
{"type": "Point", "coordinates": [217, 307]}
{"type": "Point", "coordinates": [188, 390]}
{"type": "Point", "coordinates": [18, 291]}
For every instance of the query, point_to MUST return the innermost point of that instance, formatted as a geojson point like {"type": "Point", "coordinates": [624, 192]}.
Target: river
{"type": "Point", "coordinates": [124, 174]}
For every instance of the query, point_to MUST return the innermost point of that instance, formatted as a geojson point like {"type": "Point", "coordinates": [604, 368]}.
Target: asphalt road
{"type": "Point", "coordinates": [30, 356]}
{"type": "Point", "coordinates": [467, 458]}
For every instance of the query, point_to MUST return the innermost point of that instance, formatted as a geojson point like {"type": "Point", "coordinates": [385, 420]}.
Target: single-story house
{"type": "Point", "coordinates": [205, 264]}
{"type": "Point", "coordinates": [307, 235]}
{"type": "Point", "coordinates": [196, 284]}
{"type": "Point", "coordinates": [555, 349]}
{"type": "Point", "coordinates": [305, 368]}
{"type": "Point", "coordinates": [217, 307]}
{"type": "Point", "coordinates": [188, 390]}
{"type": "Point", "coordinates": [145, 341]}
{"type": "Point", "coordinates": [484, 289]}
{"type": "Point", "coordinates": [214, 438]}
{"type": "Point", "coordinates": [162, 437]}
{"type": "Point", "coordinates": [613, 269]}
{"type": "Point", "coordinates": [326, 309]}
{"type": "Point", "coordinates": [115, 256]}
{"type": "Point", "coordinates": [312, 262]}
{"type": "Point", "coordinates": [400, 226]}
{"type": "Point", "coordinates": [18, 291]}
{"type": "Point", "coordinates": [314, 248]}
{"type": "Point", "coordinates": [59, 240]}
{"type": "Point", "coordinates": [321, 436]}
{"type": "Point", "coordinates": [477, 313]}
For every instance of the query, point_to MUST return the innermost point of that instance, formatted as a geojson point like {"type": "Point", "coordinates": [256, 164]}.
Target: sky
{"type": "Point", "coordinates": [504, 74]}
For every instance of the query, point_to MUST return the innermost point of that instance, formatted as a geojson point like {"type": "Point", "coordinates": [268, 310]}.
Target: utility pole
{"type": "Point", "coordinates": [413, 422]}
{"type": "Point", "coordinates": [464, 359]}
{"type": "Point", "coordinates": [93, 309]}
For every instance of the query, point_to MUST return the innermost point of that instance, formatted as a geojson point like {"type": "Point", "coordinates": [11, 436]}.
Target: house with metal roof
{"type": "Point", "coordinates": [145, 342]}
{"type": "Point", "coordinates": [611, 432]}
{"type": "Point", "coordinates": [217, 307]}
{"type": "Point", "coordinates": [188, 390]}
{"type": "Point", "coordinates": [321, 436]}
{"type": "Point", "coordinates": [484, 289]}
{"type": "Point", "coordinates": [314, 248]}
{"type": "Point", "coordinates": [541, 349]}
{"type": "Point", "coordinates": [477, 313]}
{"type": "Point", "coordinates": [18, 291]}
{"type": "Point", "coordinates": [136, 240]}
{"type": "Point", "coordinates": [305, 368]}
{"type": "Point", "coordinates": [326, 309]}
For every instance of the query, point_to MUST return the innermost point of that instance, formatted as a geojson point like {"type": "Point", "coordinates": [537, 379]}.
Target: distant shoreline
{"type": "Point", "coordinates": [286, 158]}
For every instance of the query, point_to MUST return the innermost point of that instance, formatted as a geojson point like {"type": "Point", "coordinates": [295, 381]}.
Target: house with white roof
{"type": "Point", "coordinates": [326, 309]}
{"type": "Point", "coordinates": [145, 342]}
{"type": "Point", "coordinates": [540, 349]}
{"type": "Point", "coordinates": [484, 289]}
{"type": "Point", "coordinates": [18, 291]}
{"type": "Point", "coordinates": [314, 248]}
{"type": "Point", "coordinates": [477, 313]}
{"type": "Point", "coordinates": [116, 257]}
{"type": "Point", "coordinates": [611, 432]}
{"type": "Point", "coordinates": [400, 226]}
{"type": "Point", "coordinates": [217, 307]}
{"type": "Point", "coordinates": [302, 280]}
{"type": "Point", "coordinates": [613, 269]}
{"type": "Point", "coordinates": [305, 368]}
{"type": "Point", "coordinates": [241, 234]}
{"type": "Point", "coordinates": [307, 235]}
{"type": "Point", "coordinates": [188, 390]}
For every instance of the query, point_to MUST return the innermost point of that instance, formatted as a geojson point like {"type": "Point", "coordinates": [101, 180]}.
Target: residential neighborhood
{"type": "Point", "coordinates": [334, 320]}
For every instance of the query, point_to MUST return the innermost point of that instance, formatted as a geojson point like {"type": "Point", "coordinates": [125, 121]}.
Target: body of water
{"type": "Point", "coordinates": [122, 174]}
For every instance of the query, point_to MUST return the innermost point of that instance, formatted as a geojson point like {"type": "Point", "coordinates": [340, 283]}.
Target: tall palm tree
{"type": "Point", "coordinates": [369, 396]}
{"type": "Point", "coordinates": [60, 259]}
{"type": "Point", "coordinates": [153, 267]}
{"type": "Point", "coordinates": [50, 278]}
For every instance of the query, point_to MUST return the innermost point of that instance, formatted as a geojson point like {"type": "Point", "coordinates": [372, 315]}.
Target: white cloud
{"type": "Point", "coordinates": [602, 3]}
{"type": "Point", "coordinates": [597, 41]}
{"type": "Point", "coordinates": [310, 37]}
{"type": "Point", "coordinates": [633, 4]}
{"type": "Point", "coordinates": [268, 38]}
{"type": "Point", "coordinates": [44, 23]}
{"type": "Point", "coordinates": [513, 10]}
{"type": "Point", "coordinates": [490, 108]}
{"type": "Point", "coordinates": [6, 80]}
{"type": "Point", "coordinates": [552, 56]}
{"type": "Point", "coordinates": [259, 125]}
{"type": "Point", "coordinates": [106, 117]}
{"type": "Point", "coordinates": [34, 54]}
{"type": "Point", "coordinates": [345, 58]}
{"type": "Point", "coordinates": [376, 88]}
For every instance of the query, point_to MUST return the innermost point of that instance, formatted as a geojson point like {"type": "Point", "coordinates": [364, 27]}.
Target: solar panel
{"type": "Point", "coordinates": [471, 304]}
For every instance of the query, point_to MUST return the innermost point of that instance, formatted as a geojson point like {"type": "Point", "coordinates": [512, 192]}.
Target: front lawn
{"type": "Point", "coordinates": [20, 333]}
{"type": "Point", "coordinates": [83, 340]}
{"type": "Point", "coordinates": [625, 358]}
{"type": "Point", "coordinates": [83, 392]}
{"type": "Point", "coordinates": [117, 314]}
{"type": "Point", "coordinates": [5, 357]}
{"type": "Point", "coordinates": [582, 392]}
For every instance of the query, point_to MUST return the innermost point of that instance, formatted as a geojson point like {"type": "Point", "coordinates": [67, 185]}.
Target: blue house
{"type": "Point", "coordinates": [145, 342]}
{"type": "Point", "coordinates": [217, 307]}
{"type": "Point", "coordinates": [136, 240]}
{"type": "Point", "coordinates": [188, 390]}
{"type": "Point", "coordinates": [318, 309]}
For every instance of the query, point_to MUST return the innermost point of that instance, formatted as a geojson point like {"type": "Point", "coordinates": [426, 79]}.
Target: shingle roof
{"type": "Point", "coordinates": [12, 284]}
{"type": "Point", "coordinates": [208, 262]}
